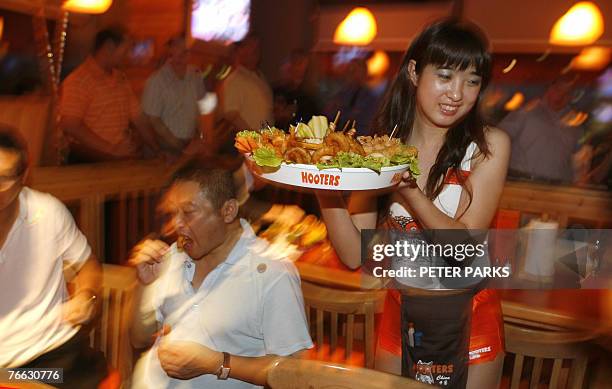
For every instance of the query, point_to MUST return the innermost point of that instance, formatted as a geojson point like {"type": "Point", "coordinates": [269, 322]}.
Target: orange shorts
{"type": "Point", "coordinates": [486, 332]}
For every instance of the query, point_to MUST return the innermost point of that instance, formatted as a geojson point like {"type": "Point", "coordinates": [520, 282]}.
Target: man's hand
{"type": "Point", "coordinates": [147, 256]}
{"type": "Point", "coordinates": [186, 360]}
{"type": "Point", "coordinates": [80, 309]}
{"type": "Point", "coordinates": [408, 185]}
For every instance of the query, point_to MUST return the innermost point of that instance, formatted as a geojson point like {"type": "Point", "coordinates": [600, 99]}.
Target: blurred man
{"type": "Point", "coordinates": [245, 93]}
{"type": "Point", "coordinates": [98, 108]}
{"type": "Point", "coordinates": [39, 243]}
{"type": "Point", "coordinates": [231, 307]}
{"type": "Point", "coordinates": [542, 144]}
{"type": "Point", "coordinates": [354, 99]}
{"type": "Point", "coordinates": [295, 95]}
{"type": "Point", "coordinates": [170, 98]}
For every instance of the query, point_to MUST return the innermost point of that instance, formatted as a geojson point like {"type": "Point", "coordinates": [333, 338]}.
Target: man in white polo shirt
{"type": "Point", "coordinates": [170, 98]}
{"type": "Point", "coordinates": [231, 307]}
{"type": "Point", "coordinates": [39, 243]}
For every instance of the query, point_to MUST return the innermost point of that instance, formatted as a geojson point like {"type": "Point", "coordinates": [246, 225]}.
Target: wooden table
{"type": "Point", "coordinates": [564, 309]}
{"type": "Point", "coordinates": [338, 278]}
{"type": "Point", "coordinates": [587, 310]}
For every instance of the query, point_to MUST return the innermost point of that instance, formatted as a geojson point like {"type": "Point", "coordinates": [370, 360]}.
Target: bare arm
{"type": "Point", "coordinates": [76, 129]}
{"type": "Point", "coordinates": [345, 222]}
{"type": "Point", "coordinates": [486, 181]}
{"type": "Point", "coordinates": [80, 309]}
{"type": "Point", "coordinates": [89, 277]}
{"type": "Point", "coordinates": [186, 360]}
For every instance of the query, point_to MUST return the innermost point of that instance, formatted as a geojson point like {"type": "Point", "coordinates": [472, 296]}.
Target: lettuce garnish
{"type": "Point", "coordinates": [265, 156]}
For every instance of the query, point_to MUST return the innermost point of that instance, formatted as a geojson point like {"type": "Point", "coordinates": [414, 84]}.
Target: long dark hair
{"type": "Point", "coordinates": [451, 44]}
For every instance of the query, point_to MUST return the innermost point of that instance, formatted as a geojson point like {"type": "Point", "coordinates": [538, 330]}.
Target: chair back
{"type": "Point", "coordinates": [341, 315]}
{"type": "Point", "coordinates": [558, 358]}
{"type": "Point", "coordinates": [111, 333]}
{"type": "Point", "coordinates": [293, 373]}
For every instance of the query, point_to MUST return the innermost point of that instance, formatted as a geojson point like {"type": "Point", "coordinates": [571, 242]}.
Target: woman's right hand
{"type": "Point", "coordinates": [147, 256]}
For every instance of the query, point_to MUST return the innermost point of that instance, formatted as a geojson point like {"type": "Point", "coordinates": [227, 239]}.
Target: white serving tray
{"type": "Point", "coordinates": [309, 176]}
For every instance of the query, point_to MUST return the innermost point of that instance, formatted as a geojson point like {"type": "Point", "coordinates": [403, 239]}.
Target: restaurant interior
{"type": "Point", "coordinates": [556, 335]}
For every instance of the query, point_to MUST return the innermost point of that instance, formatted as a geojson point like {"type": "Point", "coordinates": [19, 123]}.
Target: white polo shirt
{"type": "Point", "coordinates": [249, 305]}
{"type": "Point", "coordinates": [42, 242]}
{"type": "Point", "coordinates": [174, 100]}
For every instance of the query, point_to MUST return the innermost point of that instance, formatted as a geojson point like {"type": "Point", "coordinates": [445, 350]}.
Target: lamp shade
{"type": "Point", "coordinates": [581, 25]}
{"type": "Point", "coordinates": [87, 6]}
{"type": "Point", "coordinates": [357, 29]}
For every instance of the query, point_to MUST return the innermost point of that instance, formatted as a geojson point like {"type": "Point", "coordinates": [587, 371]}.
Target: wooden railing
{"type": "Point", "coordinates": [567, 205]}
{"type": "Point", "coordinates": [124, 194]}
{"type": "Point", "coordinates": [132, 189]}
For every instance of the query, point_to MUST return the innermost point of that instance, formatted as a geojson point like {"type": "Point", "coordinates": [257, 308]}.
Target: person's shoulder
{"type": "Point", "coordinates": [496, 137]}
{"type": "Point", "coordinates": [42, 205]}
{"type": "Point", "coordinates": [266, 263]}
{"type": "Point", "coordinates": [194, 72]}
{"type": "Point", "coordinates": [153, 82]}
{"type": "Point", "coordinates": [42, 198]}
{"type": "Point", "coordinates": [155, 76]}
{"type": "Point", "coordinates": [79, 77]}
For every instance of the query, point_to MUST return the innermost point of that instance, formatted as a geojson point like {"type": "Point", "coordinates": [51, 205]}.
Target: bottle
{"type": "Point", "coordinates": [411, 334]}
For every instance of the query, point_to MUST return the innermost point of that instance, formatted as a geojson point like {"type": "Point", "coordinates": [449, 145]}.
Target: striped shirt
{"type": "Point", "coordinates": [174, 100]}
{"type": "Point", "coordinates": [105, 102]}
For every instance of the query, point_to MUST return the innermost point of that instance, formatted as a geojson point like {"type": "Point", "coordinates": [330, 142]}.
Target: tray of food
{"type": "Point", "coordinates": [314, 155]}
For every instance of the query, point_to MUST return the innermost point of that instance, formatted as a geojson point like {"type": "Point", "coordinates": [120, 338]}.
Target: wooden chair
{"type": "Point", "coordinates": [350, 318]}
{"type": "Point", "coordinates": [293, 373]}
{"type": "Point", "coordinates": [111, 332]}
{"type": "Point", "coordinates": [561, 355]}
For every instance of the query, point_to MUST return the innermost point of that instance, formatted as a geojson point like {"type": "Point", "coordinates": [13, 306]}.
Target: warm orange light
{"type": "Point", "coordinates": [510, 66]}
{"type": "Point", "coordinates": [87, 6]}
{"type": "Point", "coordinates": [357, 29]}
{"type": "Point", "coordinates": [1, 27]}
{"type": "Point", "coordinates": [575, 119]}
{"type": "Point", "coordinates": [515, 102]}
{"type": "Point", "coordinates": [582, 25]}
{"type": "Point", "coordinates": [378, 64]}
{"type": "Point", "coordinates": [592, 58]}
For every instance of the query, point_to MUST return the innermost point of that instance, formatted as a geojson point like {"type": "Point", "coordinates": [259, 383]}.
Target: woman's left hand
{"type": "Point", "coordinates": [408, 184]}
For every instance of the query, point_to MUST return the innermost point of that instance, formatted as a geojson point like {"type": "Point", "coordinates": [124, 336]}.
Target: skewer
{"type": "Point", "coordinates": [346, 125]}
{"type": "Point", "coordinates": [393, 132]}
{"type": "Point", "coordinates": [354, 124]}
{"type": "Point", "coordinates": [336, 119]}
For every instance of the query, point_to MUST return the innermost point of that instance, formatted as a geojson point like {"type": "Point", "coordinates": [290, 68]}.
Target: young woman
{"type": "Point", "coordinates": [433, 101]}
